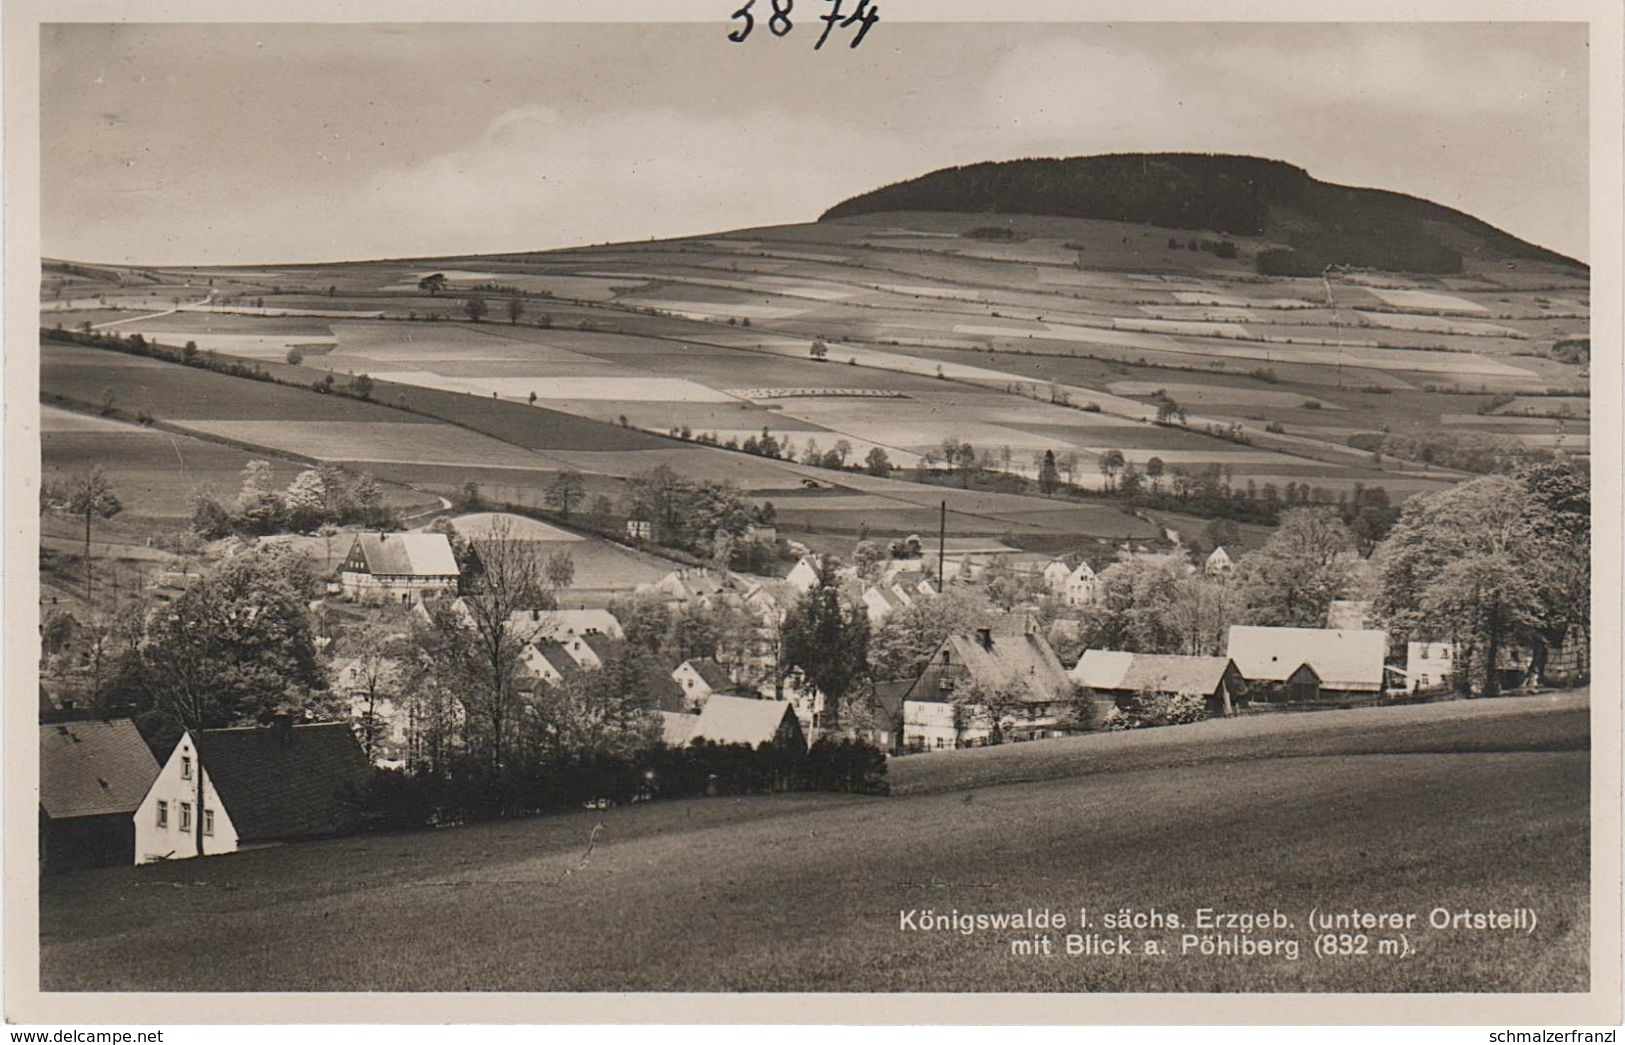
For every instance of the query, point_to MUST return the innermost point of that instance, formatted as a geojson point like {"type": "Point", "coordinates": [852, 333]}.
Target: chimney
{"type": "Point", "coordinates": [984, 638]}
{"type": "Point", "coordinates": [282, 728]}
{"type": "Point", "coordinates": [535, 615]}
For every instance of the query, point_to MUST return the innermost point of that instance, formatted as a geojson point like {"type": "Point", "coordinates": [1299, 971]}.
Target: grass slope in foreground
{"type": "Point", "coordinates": [1475, 804]}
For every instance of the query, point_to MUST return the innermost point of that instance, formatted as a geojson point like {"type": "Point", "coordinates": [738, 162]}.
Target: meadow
{"type": "Point", "coordinates": [1457, 805]}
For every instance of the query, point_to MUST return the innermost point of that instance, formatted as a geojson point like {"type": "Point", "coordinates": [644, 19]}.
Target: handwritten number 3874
{"type": "Point", "coordinates": [779, 24]}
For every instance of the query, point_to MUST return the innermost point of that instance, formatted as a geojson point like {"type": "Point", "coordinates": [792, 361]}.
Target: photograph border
{"type": "Point", "coordinates": [25, 1003]}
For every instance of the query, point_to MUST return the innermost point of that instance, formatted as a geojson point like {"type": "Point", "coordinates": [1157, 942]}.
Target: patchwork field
{"type": "Point", "coordinates": [1067, 339]}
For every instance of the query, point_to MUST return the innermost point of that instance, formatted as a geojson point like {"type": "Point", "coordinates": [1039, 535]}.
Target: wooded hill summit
{"type": "Point", "coordinates": [1317, 223]}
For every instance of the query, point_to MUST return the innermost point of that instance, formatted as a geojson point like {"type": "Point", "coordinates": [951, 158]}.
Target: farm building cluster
{"type": "Point", "coordinates": [107, 799]}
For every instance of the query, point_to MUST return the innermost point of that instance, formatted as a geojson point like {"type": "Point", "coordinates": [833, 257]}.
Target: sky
{"type": "Point", "coordinates": [173, 144]}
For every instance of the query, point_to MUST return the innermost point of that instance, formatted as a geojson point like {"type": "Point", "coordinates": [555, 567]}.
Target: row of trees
{"type": "Point", "coordinates": [326, 495]}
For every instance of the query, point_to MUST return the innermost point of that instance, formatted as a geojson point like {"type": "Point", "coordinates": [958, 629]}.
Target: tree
{"type": "Point", "coordinates": [91, 496]}
{"type": "Point", "coordinates": [469, 497]}
{"type": "Point", "coordinates": [361, 385]}
{"type": "Point", "coordinates": [993, 699]}
{"type": "Point", "coordinates": [1167, 410]}
{"type": "Point", "coordinates": [368, 494]}
{"type": "Point", "coordinates": [295, 357]}
{"type": "Point", "coordinates": [559, 569]}
{"type": "Point", "coordinates": [828, 641]}
{"type": "Point", "coordinates": [234, 647]}
{"type": "Point", "coordinates": [819, 351]}
{"type": "Point", "coordinates": [516, 312]}
{"type": "Point", "coordinates": [475, 652]}
{"type": "Point", "coordinates": [1069, 464]}
{"type": "Point", "coordinates": [965, 459]}
{"type": "Point", "coordinates": [1484, 601]}
{"type": "Point", "coordinates": [306, 501]}
{"type": "Point", "coordinates": [1048, 477]}
{"type": "Point", "coordinates": [1474, 564]}
{"type": "Point", "coordinates": [1559, 517]}
{"type": "Point", "coordinates": [476, 307]}
{"type": "Point", "coordinates": [843, 450]}
{"type": "Point", "coordinates": [877, 463]}
{"type": "Point", "coordinates": [904, 642]}
{"type": "Point", "coordinates": [434, 283]}
{"type": "Point", "coordinates": [866, 556]}
{"type": "Point", "coordinates": [565, 491]}
{"type": "Point", "coordinates": [379, 649]}
{"type": "Point", "coordinates": [1154, 469]}
{"type": "Point", "coordinates": [1292, 580]}
{"type": "Point", "coordinates": [602, 712]}
{"type": "Point", "coordinates": [1111, 462]}
{"type": "Point", "coordinates": [209, 519]}
{"type": "Point", "coordinates": [1221, 533]}
{"type": "Point", "coordinates": [1134, 606]}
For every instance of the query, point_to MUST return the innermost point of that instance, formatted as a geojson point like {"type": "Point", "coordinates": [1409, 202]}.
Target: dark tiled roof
{"type": "Point", "coordinates": [560, 658]}
{"type": "Point", "coordinates": [714, 674]}
{"type": "Point", "coordinates": [93, 768]}
{"type": "Point", "coordinates": [664, 692]}
{"type": "Point", "coordinates": [291, 783]}
{"type": "Point", "coordinates": [889, 695]}
{"type": "Point", "coordinates": [602, 645]}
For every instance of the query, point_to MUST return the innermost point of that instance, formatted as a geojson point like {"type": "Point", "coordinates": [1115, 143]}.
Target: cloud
{"type": "Point", "coordinates": [533, 177]}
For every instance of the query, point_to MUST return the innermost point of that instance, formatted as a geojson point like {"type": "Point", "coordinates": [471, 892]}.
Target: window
{"type": "Point", "coordinates": [186, 767]}
{"type": "Point", "coordinates": [163, 814]}
{"type": "Point", "coordinates": [208, 821]}
{"type": "Point", "coordinates": [1424, 653]}
{"type": "Point", "coordinates": [186, 815]}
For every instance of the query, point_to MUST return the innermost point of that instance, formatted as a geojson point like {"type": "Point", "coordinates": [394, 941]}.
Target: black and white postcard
{"type": "Point", "coordinates": [1024, 512]}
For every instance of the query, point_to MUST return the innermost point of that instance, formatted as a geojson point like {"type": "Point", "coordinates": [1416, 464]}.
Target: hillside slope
{"type": "Point", "coordinates": [1239, 195]}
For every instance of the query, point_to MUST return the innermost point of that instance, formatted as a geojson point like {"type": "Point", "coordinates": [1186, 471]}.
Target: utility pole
{"type": "Point", "coordinates": [942, 548]}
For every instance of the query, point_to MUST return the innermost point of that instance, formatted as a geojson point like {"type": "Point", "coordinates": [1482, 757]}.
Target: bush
{"type": "Point", "coordinates": [1145, 710]}
{"type": "Point", "coordinates": [1284, 261]}
{"type": "Point", "coordinates": [470, 792]}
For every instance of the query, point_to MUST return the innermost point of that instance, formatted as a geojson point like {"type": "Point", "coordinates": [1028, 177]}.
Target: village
{"type": "Point", "coordinates": [461, 649]}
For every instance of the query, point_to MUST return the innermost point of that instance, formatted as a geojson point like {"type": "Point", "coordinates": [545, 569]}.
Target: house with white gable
{"type": "Point", "coordinates": [222, 790]}
{"type": "Point", "coordinates": [1055, 576]}
{"type": "Point", "coordinates": [550, 662]}
{"type": "Point", "coordinates": [937, 715]}
{"type": "Point", "coordinates": [701, 677]}
{"type": "Point", "coordinates": [690, 586]}
{"type": "Point", "coordinates": [1080, 586]}
{"type": "Point", "coordinates": [1429, 665]}
{"type": "Point", "coordinates": [803, 576]}
{"type": "Point", "coordinates": [882, 600]}
{"type": "Point", "coordinates": [399, 567]}
{"type": "Point", "coordinates": [1219, 564]}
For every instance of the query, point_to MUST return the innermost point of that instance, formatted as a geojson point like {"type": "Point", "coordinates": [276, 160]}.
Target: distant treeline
{"type": "Point", "coordinates": [1241, 195]}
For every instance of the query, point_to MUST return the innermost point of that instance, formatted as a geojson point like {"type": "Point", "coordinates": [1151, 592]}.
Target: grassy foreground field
{"type": "Point", "coordinates": [1467, 805]}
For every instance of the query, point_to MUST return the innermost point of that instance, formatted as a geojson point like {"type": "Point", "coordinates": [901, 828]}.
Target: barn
{"type": "Point", "coordinates": [1125, 676]}
{"type": "Point", "coordinates": [93, 776]}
